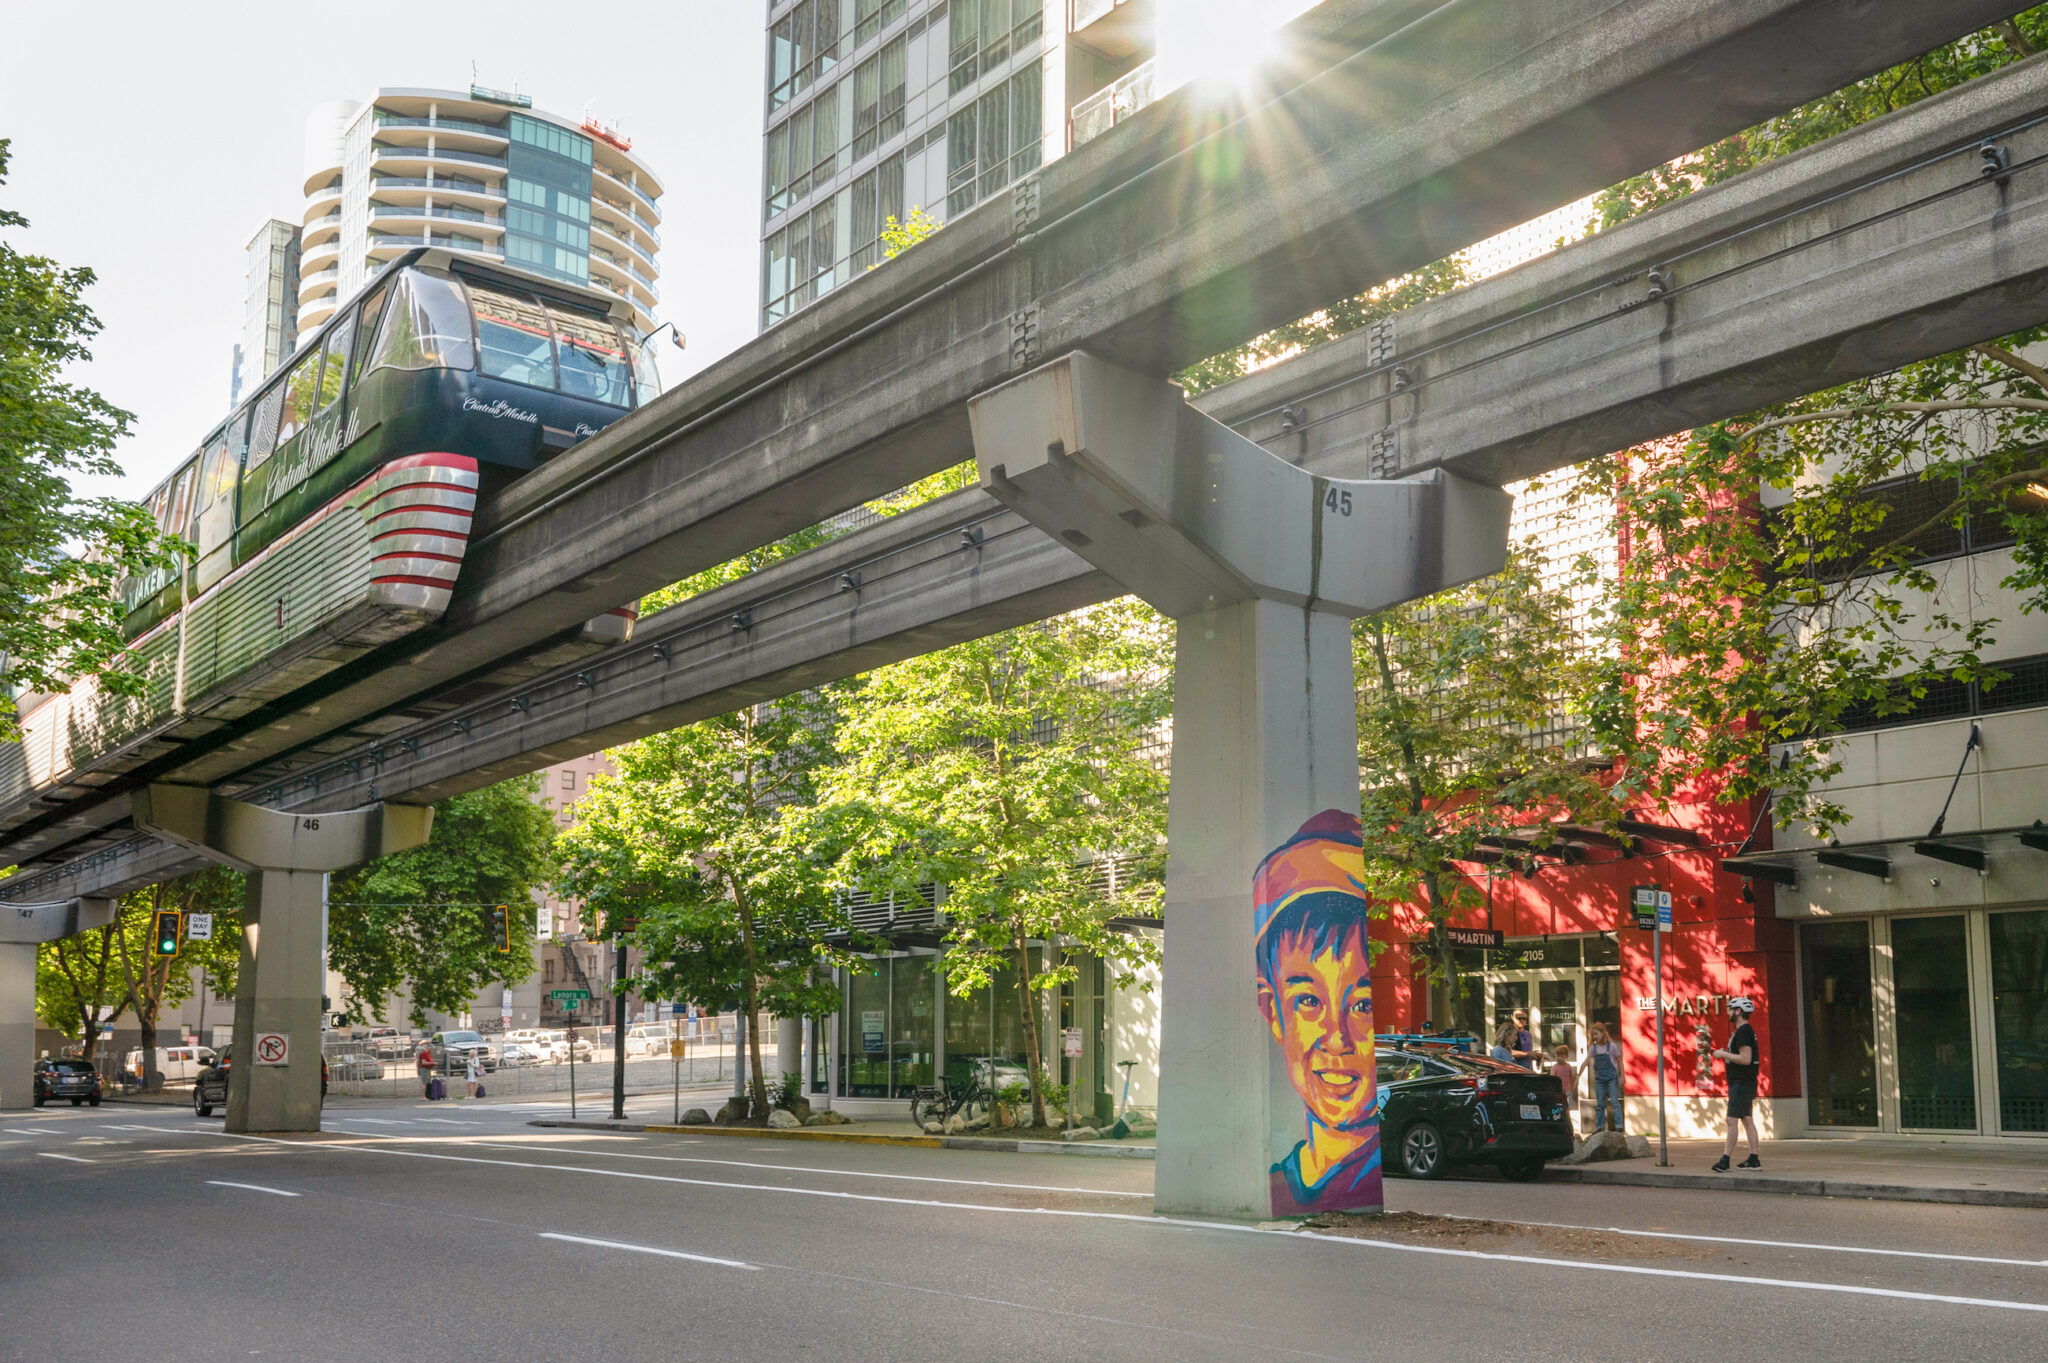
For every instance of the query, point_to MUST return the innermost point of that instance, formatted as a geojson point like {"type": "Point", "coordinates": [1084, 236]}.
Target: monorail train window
{"type": "Point", "coordinates": [299, 392]}
{"type": "Point", "coordinates": [514, 337]}
{"type": "Point", "coordinates": [219, 476]}
{"type": "Point", "coordinates": [373, 308]}
{"type": "Point", "coordinates": [263, 433]}
{"type": "Point", "coordinates": [646, 377]}
{"type": "Point", "coordinates": [426, 326]}
{"type": "Point", "coordinates": [177, 515]}
{"type": "Point", "coordinates": [593, 359]}
{"type": "Point", "coordinates": [336, 351]}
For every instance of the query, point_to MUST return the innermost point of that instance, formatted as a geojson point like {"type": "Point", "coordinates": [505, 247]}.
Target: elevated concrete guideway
{"type": "Point", "coordinates": [1405, 130]}
{"type": "Point", "coordinates": [1857, 241]}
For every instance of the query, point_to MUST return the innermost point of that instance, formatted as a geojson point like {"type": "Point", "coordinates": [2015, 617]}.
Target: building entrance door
{"type": "Point", "coordinates": [1555, 1000]}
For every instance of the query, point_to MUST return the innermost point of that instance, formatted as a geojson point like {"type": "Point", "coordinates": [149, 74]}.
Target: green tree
{"type": "Point", "coordinates": [78, 985]}
{"type": "Point", "coordinates": [710, 836]}
{"type": "Point", "coordinates": [1001, 769]}
{"type": "Point", "coordinates": [63, 556]}
{"type": "Point", "coordinates": [154, 983]}
{"type": "Point", "coordinates": [421, 919]}
{"type": "Point", "coordinates": [1467, 746]}
{"type": "Point", "coordinates": [1770, 627]}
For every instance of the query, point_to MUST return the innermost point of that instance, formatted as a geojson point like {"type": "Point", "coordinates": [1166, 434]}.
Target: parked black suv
{"type": "Point", "coordinates": [1441, 1107]}
{"type": "Point", "coordinates": [73, 1079]}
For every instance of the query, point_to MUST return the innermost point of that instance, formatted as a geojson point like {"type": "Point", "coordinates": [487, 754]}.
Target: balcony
{"type": "Point", "coordinates": [1112, 104]}
{"type": "Point", "coordinates": [384, 151]}
{"type": "Point", "coordinates": [629, 213]}
{"type": "Point", "coordinates": [436, 185]}
{"type": "Point", "coordinates": [395, 241]}
{"type": "Point", "coordinates": [638, 193]}
{"type": "Point", "coordinates": [448, 212]}
{"type": "Point", "coordinates": [630, 251]}
{"type": "Point", "coordinates": [469, 126]}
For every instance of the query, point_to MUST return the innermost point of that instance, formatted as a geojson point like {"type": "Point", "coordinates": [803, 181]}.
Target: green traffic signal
{"type": "Point", "coordinates": [168, 931]}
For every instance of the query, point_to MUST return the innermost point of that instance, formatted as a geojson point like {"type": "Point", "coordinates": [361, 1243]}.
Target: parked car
{"type": "Point", "coordinates": [354, 1065]}
{"type": "Point", "coordinates": [518, 1055]}
{"type": "Point", "coordinates": [649, 1038]}
{"type": "Point", "coordinates": [451, 1051]}
{"type": "Point", "coordinates": [73, 1079]}
{"type": "Point", "coordinates": [210, 1089]}
{"type": "Point", "coordinates": [556, 1044]}
{"type": "Point", "coordinates": [1440, 1107]}
{"type": "Point", "coordinates": [177, 1064]}
{"type": "Point", "coordinates": [386, 1043]}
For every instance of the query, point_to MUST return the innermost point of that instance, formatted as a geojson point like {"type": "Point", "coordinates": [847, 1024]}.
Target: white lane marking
{"type": "Point", "coordinates": [447, 1121]}
{"type": "Point", "coordinates": [252, 1187]}
{"type": "Point", "coordinates": [380, 1121]}
{"type": "Point", "coordinates": [1791, 1284]}
{"type": "Point", "coordinates": [1775, 1244]}
{"type": "Point", "coordinates": [812, 1169]}
{"type": "Point", "coordinates": [29, 1131]}
{"type": "Point", "coordinates": [161, 1130]}
{"type": "Point", "coordinates": [650, 1249]}
{"type": "Point", "coordinates": [51, 1154]}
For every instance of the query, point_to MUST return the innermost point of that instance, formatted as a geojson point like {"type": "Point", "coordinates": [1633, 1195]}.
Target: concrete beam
{"type": "Point", "coordinates": [1405, 130]}
{"type": "Point", "coordinates": [1855, 256]}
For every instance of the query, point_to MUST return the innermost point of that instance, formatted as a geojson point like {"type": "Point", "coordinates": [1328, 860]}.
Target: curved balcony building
{"type": "Point", "coordinates": [479, 171]}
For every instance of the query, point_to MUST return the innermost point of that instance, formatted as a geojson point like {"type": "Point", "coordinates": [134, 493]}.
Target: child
{"type": "Point", "coordinates": [1561, 1069]}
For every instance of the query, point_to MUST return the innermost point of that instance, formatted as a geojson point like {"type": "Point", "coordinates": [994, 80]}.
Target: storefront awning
{"type": "Point", "coordinates": [1974, 850]}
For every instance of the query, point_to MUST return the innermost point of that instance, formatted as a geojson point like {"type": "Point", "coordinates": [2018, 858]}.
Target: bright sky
{"type": "Point", "coordinates": [151, 139]}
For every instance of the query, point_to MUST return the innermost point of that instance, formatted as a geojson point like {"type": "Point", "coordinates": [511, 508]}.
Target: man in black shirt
{"type": "Point", "coordinates": [1742, 1063]}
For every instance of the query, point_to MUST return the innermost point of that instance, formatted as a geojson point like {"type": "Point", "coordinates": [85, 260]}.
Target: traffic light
{"type": "Point", "coordinates": [168, 932]}
{"type": "Point", "coordinates": [501, 927]}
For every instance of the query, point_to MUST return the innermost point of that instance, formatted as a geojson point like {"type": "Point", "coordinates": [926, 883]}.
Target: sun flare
{"type": "Point", "coordinates": [1220, 41]}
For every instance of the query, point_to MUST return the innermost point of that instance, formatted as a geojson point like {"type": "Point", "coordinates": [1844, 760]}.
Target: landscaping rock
{"type": "Point", "coordinates": [801, 1107]}
{"type": "Point", "coordinates": [1607, 1145]}
{"type": "Point", "coordinates": [695, 1116]}
{"type": "Point", "coordinates": [1081, 1133]}
{"type": "Point", "coordinates": [735, 1110]}
{"type": "Point", "coordinates": [934, 1129]}
{"type": "Point", "coordinates": [782, 1119]}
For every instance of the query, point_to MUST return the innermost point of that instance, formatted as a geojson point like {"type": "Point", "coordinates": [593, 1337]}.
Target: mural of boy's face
{"type": "Point", "coordinates": [1319, 1005]}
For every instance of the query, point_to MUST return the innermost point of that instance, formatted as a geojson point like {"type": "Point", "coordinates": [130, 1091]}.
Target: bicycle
{"type": "Point", "coordinates": [966, 1096]}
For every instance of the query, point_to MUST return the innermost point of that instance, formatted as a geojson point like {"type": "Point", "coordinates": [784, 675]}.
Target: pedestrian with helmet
{"type": "Point", "coordinates": [1741, 1061]}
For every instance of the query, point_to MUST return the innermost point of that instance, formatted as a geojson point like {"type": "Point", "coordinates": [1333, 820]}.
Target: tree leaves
{"type": "Point", "coordinates": [62, 555]}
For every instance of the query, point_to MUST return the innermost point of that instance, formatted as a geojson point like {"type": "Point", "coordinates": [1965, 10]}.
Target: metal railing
{"type": "Point", "coordinates": [460, 125]}
{"type": "Point", "coordinates": [386, 149]}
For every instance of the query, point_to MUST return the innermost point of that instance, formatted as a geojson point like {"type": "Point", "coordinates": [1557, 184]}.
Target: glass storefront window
{"type": "Point", "coordinates": [2019, 1004]}
{"type": "Point", "coordinates": [912, 1036]}
{"type": "Point", "coordinates": [864, 1036]}
{"type": "Point", "coordinates": [1841, 1048]}
{"type": "Point", "coordinates": [1931, 967]}
{"type": "Point", "coordinates": [967, 1032]}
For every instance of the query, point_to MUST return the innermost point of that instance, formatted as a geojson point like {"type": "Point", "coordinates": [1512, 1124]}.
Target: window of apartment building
{"type": "Point", "coordinates": [877, 197]}
{"type": "Point", "coordinates": [2023, 686]}
{"type": "Point", "coordinates": [878, 94]}
{"type": "Point", "coordinates": [872, 16]}
{"type": "Point", "coordinates": [547, 971]}
{"type": "Point", "coordinates": [568, 780]}
{"type": "Point", "coordinates": [995, 140]}
{"type": "Point", "coordinates": [982, 34]}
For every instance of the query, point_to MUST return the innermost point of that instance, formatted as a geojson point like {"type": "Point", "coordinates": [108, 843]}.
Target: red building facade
{"type": "Point", "coordinates": [1573, 955]}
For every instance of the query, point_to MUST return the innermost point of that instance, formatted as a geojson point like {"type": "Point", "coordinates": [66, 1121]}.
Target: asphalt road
{"type": "Point", "coordinates": [456, 1231]}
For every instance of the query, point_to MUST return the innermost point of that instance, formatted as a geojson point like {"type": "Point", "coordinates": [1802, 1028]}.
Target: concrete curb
{"type": "Point", "coordinates": [1802, 1187]}
{"type": "Point", "coordinates": [826, 1133]}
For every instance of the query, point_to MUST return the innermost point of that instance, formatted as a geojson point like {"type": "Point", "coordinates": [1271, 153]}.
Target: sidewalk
{"type": "Point", "coordinates": [1987, 1174]}
{"type": "Point", "coordinates": [882, 1131]}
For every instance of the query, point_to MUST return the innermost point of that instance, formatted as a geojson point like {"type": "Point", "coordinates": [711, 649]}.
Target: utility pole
{"type": "Point", "coordinates": [619, 1023]}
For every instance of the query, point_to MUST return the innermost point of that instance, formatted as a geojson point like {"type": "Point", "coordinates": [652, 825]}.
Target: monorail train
{"type": "Point", "coordinates": [329, 514]}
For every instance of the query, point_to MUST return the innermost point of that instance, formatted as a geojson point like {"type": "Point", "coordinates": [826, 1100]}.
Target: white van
{"type": "Point", "coordinates": [177, 1064]}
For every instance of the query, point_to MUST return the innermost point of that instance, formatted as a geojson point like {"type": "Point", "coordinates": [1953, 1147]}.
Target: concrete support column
{"type": "Point", "coordinates": [23, 928]}
{"type": "Point", "coordinates": [1265, 737]}
{"type": "Point", "coordinates": [1268, 1101]}
{"type": "Point", "coordinates": [286, 857]}
{"type": "Point", "coordinates": [789, 1046]}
